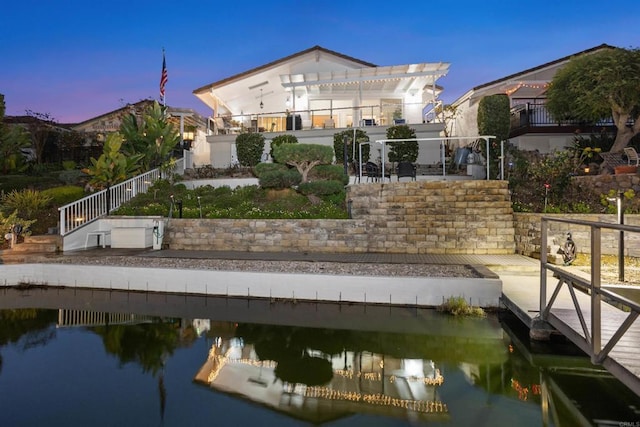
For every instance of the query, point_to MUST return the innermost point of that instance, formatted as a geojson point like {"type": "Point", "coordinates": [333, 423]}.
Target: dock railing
{"type": "Point", "coordinates": [76, 214]}
{"type": "Point", "coordinates": [592, 327]}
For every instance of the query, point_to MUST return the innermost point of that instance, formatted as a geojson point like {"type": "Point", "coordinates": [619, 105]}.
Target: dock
{"type": "Point", "coordinates": [572, 315]}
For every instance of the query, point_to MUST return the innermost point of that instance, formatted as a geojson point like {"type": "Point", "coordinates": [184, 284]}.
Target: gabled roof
{"type": "Point", "coordinates": [473, 92]}
{"type": "Point", "coordinates": [191, 117]}
{"type": "Point", "coordinates": [543, 66]}
{"type": "Point", "coordinates": [281, 61]}
{"type": "Point", "coordinates": [138, 105]}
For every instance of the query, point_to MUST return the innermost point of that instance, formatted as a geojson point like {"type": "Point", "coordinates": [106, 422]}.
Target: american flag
{"type": "Point", "coordinates": [164, 77]}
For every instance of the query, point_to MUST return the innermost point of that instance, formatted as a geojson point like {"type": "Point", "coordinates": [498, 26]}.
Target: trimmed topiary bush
{"type": "Point", "coordinates": [406, 151]}
{"type": "Point", "coordinates": [338, 146]}
{"type": "Point", "coordinates": [250, 147]}
{"type": "Point", "coordinates": [328, 173]}
{"type": "Point", "coordinates": [303, 157]}
{"type": "Point", "coordinates": [280, 179]}
{"type": "Point", "coordinates": [321, 188]}
{"type": "Point", "coordinates": [262, 168]}
{"type": "Point", "coordinates": [282, 139]}
{"type": "Point", "coordinates": [494, 119]}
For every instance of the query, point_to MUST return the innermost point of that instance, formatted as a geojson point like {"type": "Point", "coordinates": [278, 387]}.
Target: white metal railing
{"type": "Point", "coordinates": [76, 214]}
{"type": "Point", "coordinates": [68, 317]}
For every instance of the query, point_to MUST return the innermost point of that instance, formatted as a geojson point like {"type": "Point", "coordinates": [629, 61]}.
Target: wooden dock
{"type": "Point", "coordinates": [521, 295]}
{"type": "Point", "coordinates": [599, 318]}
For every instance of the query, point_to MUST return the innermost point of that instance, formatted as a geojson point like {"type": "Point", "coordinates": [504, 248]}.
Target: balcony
{"type": "Point", "coordinates": [535, 118]}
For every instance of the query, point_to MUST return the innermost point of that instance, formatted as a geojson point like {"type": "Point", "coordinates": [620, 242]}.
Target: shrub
{"type": "Point", "coordinates": [282, 139]}
{"type": "Point", "coordinates": [406, 151]}
{"type": "Point", "coordinates": [286, 178]}
{"type": "Point", "coordinates": [250, 147]}
{"type": "Point", "coordinates": [338, 146]}
{"type": "Point", "coordinates": [329, 173]}
{"type": "Point", "coordinates": [61, 196]}
{"type": "Point", "coordinates": [261, 168]}
{"type": "Point", "coordinates": [70, 176]}
{"type": "Point", "coordinates": [26, 203]}
{"type": "Point", "coordinates": [68, 165]}
{"type": "Point", "coordinates": [494, 119]}
{"type": "Point", "coordinates": [321, 188]}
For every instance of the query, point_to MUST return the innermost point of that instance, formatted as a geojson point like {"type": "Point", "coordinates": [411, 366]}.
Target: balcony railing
{"type": "Point", "coordinates": [385, 114]}
{"type": "Point", "coordinates": [537, 115]}
{"type": "Point", "coordinates": [76, 214]}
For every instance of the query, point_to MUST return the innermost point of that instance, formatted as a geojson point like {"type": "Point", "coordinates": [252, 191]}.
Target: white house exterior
{"type": "Point", "coordinates": [532, 128]}
{"type": "Point", "coordinates": [314, 92]}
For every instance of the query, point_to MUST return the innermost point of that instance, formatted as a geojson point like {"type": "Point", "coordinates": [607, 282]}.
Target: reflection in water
{"type": "Point", "coordinates": [370, 365]}
{"type": "Point", "coordinates": [295, 375]}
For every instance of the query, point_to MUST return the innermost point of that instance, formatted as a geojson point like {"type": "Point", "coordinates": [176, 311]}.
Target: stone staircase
{"type": "Point", "coordinates": [31, 248]}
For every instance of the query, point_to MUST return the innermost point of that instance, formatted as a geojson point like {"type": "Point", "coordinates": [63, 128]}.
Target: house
{"type": "Point", "coordinates": [532, 127]}
{"type": "Point", "coordinates": [317, 92]}
{"type": "Point", "coordinates": [192, 127]}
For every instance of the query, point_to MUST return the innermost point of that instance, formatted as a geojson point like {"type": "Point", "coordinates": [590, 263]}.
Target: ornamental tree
{"type": "Point", "coordinates": [598, 86]}
{"type": "Point", "coordinates": [303, 156]}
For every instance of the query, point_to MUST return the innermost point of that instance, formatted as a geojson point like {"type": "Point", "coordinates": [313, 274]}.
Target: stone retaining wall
{"type": "Point", "coordinates": [424, 217]}
{"type": "Point", "coordinates": [602, 184]}
{"type": "Point", "coordinates": [527, 233]}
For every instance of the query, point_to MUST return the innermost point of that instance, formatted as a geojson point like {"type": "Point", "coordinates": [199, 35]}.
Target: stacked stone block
{"type": "Point", "coordinates": [423, 217]}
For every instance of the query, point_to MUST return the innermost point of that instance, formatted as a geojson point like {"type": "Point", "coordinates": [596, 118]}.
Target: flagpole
{"type": "Point", "coordinates": [164, 78]}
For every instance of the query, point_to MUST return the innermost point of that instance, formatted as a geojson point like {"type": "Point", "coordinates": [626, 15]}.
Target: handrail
{"type": "Point", "coordinates": [593, 286]}
{"type": "Point", "coordinates": [81, 212]}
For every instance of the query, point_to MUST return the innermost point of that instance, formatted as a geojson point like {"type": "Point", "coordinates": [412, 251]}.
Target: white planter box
{"type": "Point", "coordinates": [132, 237]}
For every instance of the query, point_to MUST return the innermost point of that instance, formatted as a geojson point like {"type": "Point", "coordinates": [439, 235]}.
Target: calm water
{"type": "Point", "coordinates": [79, 358]}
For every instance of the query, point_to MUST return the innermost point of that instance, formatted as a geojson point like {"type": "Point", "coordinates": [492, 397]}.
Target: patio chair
{"type": "Point", "coordinates": [406, 169]}
{"type": "Point", "coordinates": [632, 156]}
{"type": "Point", "coordinates": [373, 171]}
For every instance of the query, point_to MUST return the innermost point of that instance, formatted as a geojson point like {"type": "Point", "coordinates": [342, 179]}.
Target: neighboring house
{"type": "Point", "coordinates": [532, 127]}
{"type": "Point", "coordinates": [316, 91]}
{"type": "Point", "coordinates": [192, 127]}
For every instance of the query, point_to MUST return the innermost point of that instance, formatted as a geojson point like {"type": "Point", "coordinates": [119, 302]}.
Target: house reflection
{"type": "Point", "coordinates": [359, 382]}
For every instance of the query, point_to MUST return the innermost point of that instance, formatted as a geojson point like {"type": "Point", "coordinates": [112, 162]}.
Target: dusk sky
{"type": "Point", "coordinates": [75, 60]}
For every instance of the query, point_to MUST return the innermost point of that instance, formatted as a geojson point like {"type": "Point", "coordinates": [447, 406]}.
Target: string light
{"type": "Point", "coordinates": [520, 85]}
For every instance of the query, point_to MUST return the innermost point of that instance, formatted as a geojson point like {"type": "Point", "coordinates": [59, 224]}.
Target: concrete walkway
{"type": "Point", "coordinates": [422, 291]}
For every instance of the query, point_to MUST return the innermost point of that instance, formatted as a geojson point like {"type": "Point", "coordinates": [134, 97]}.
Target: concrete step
{"type": "Point", "coordinates": [11, 257]}
{"type": "Point", "coordinates": [43, 247]}
{"type": "Point", "coordinates": [39, 244]}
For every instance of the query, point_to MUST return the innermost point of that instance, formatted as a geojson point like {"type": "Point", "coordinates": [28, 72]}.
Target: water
{"type": "Point", "coordinates": [77, 358]}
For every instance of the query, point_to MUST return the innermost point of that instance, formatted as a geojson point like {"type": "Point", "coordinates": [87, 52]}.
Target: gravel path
{"type": "Point", "coordinates": [366, 269]}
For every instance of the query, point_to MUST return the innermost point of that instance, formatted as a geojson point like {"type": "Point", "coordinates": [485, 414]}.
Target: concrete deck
{"type": "Point", "coordinates": [420, 291]}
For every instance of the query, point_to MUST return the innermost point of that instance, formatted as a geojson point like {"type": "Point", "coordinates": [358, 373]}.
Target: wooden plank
{"type": "Point", "coordinates": [624, 354]}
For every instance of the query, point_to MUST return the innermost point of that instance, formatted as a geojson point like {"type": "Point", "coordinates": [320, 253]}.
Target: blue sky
{"type": "Point", "coordinates": [78, 59]}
